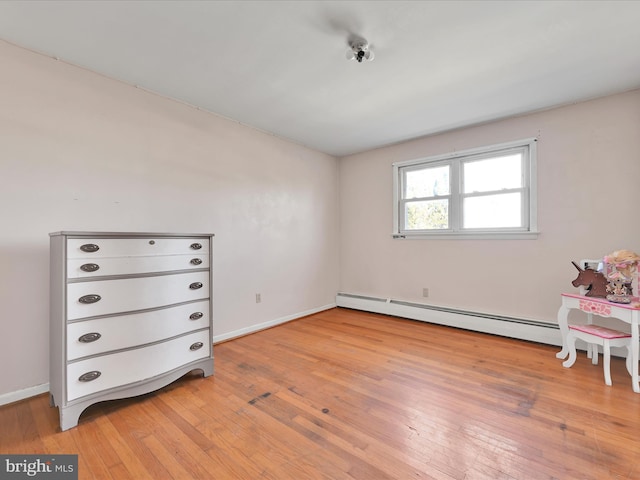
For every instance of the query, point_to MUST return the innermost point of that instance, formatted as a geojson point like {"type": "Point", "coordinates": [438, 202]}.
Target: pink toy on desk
{"type": "Point", "coordinates": [622, 273]}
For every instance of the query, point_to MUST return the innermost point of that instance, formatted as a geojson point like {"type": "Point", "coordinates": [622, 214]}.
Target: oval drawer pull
{"type": "Point", "coordinates": [90, 298]}
{"type": "Point", "coordinates": [89, 247]}
{"type": "Point", "coordinates": [196, 315]}
{"type": "Point", "coordinates": [196, 261]}
{"type": "Point", "coordinates": [89, 337]}
{"type": "Point", "coordinates": [196, 246]}
{"type": "Point", "coordinates": [195, 285]}
{"type": "Point", "coordinates": [196, 346]}
{"type": "Point", "coordinates": [89, 267]}
{"type": "Point", "coordinates": [89, 376]}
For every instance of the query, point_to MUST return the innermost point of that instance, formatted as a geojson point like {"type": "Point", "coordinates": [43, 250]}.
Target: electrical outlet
{"type": "Point", "coordinates": [425, 292]}
{"type": "Point", "coordinates": [258, 298]}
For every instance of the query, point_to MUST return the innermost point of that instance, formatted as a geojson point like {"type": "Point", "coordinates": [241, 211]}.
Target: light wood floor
{"type": "Point", "coordinates": [351, 395]}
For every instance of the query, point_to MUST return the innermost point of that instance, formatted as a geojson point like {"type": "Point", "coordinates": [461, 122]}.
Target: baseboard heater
{"type": "Point", "coordinates": [512, 327]}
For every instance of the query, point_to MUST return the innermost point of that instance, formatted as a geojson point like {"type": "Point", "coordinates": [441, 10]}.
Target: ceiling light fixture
{"type": "Point", "coordinates": [359, 50]}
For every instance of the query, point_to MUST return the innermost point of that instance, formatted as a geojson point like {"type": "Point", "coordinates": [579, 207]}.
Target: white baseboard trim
{"type": "Point", "coordinates": [18, 395]}
{"type": "Point", "coordinates": [271, 323]}
{"type": "Point", "coordinates": [512, 327]}
{"type": "Point", "coordinates": [523, 329]}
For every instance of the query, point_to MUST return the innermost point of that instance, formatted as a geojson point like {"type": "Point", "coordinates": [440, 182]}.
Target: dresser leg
{"type": "Point", "coordinates": [69, 416]}
{"type": "Point", "coordinates": [207, 367]}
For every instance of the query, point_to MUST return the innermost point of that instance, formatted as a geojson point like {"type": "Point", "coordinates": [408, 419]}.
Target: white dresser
{"type": "Point", "coordinates": [130, 313]}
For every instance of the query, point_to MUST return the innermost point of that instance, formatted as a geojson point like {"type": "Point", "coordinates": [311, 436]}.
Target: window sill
{"type": "Point", "coordinates": [468, 236]}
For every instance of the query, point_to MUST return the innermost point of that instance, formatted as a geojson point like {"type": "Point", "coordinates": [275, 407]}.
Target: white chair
{"type": "Point", "coordinates": [596, 335]}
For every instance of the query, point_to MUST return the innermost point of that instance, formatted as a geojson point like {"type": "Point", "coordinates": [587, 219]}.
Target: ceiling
{"type": "Point", "coordinates": [280, 66]}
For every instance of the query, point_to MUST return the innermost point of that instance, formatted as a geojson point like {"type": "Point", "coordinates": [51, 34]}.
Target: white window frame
{"type": "Point", "coordinates": [455, 160]}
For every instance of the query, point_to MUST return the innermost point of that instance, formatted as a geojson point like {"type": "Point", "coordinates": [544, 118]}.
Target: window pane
{"type": "Point", "coordinates": [493, 174]}
{"type": "Point", "coordinates": [428, 182]}
{"type": "Point", "coordinates": [493, 211]}
{"type": "Point", "coordinates": [427, 215]}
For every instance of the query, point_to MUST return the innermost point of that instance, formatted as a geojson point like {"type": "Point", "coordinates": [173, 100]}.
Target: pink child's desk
{"type": "Point", "coordinates": [628, 313]}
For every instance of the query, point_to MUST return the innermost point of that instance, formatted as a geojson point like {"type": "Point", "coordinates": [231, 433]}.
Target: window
{"type": "Point", "coordinates": [484, 192]}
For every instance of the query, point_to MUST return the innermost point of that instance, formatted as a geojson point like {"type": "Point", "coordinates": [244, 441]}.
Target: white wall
{"type": "Point", "coordinates": [82, 152]}
{"type": "Point", "coordinates": [588, 198]}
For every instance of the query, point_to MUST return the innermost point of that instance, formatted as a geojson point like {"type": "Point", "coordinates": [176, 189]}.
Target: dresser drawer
{"type": "Point", "coordinates": [101, 335]}
{"type": "Point", "coordinates": [117, 369]}
{"type": "Point", "coordinates": [105, 266]}
{"type": "Point", "coordinates": [106, 297]}
{"type": "Point", "coordinates": [123, 247]}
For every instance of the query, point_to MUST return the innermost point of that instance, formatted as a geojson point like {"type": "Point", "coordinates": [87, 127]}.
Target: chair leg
{"type": "Point", "coordinates": [607, 362]}
{"type": "Point", "coordinates": [594, 353]}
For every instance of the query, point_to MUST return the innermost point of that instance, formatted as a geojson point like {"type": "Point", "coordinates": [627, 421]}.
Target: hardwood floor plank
{"type": "Point", "coordinates": [159, 450]}
{"type": "Point", "coordinates": [11, 435]}
{"type": "Point", "coordinates": [271, 437]}
{"type": "Point", "coordinates": [347, 395]}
